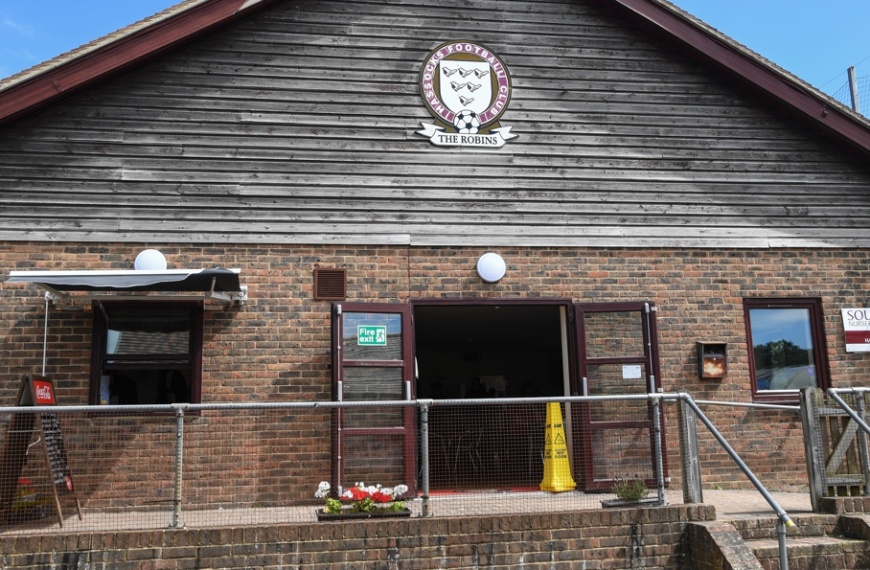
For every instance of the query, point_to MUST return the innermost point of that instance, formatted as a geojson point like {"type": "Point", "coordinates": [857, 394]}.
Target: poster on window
{"type": "Point", "coordinates": [856, 326]}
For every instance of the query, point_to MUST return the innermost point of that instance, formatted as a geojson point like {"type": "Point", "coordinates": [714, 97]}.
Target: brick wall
{"type": "Point", "coordinates": [606, 539]}
{"type": "Point", "coordinates": [277, 346]}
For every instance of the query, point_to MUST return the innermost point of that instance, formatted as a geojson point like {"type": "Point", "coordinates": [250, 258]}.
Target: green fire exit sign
{"type": "Point", "coordinates": [368, 335]}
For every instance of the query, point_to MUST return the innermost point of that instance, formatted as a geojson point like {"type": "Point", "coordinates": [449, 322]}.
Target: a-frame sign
{"type": "Point", "coordinates": [35, 391]}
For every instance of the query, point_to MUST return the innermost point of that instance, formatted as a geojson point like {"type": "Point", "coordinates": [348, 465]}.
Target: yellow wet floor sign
{"type": "Point", "coordinates": [557, 468]}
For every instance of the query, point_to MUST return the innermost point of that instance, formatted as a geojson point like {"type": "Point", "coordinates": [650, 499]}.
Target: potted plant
{"type": "Point", "coordinates": [362, 501]}
{"type": "Point", "coordinates": [629, 491]}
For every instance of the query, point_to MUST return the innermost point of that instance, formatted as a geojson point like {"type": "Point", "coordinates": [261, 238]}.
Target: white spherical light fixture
{"type": "Point", "coordinates": [150, 260]}
{"type": "Point", "coordinates": [491, 267]}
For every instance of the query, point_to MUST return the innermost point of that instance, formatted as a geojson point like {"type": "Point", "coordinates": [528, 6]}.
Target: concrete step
{"type": "Point", "coordinates": [805, 525]}
{"type": "Point", "coordinates": [816, 542]}
{"type": "Point", "coordinates": [813, 553]}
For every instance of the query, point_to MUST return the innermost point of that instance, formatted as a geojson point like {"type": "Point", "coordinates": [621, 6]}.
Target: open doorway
{"type": "Point", "coordinates": [496, 349]}
{"type": "Point", "coordinates": [514, 349]}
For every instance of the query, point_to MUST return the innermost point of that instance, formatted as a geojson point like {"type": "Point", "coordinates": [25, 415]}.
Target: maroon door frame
{"type": "Point", "coordinates": [583, 430]}
{"type": "Point", "coordinates": [408, 388]}
{"type": "Point", "coordinates": [578, 365]}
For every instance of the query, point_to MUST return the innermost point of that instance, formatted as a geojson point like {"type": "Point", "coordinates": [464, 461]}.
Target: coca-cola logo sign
{"type": "Point", "coordinates": [44, 393]}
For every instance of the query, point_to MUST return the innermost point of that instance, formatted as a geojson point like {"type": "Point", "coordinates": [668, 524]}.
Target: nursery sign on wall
{"type": "Point", "coordinates": [467, 88]}
{"type": "Point", "coordinates": [856, 326]}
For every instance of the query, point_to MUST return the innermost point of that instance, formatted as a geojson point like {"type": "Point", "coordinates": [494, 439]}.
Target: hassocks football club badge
{"type": "Point", "coordinates": [467, 88]}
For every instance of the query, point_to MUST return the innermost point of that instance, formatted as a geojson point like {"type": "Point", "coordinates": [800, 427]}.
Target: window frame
{"type": "Point", "coordinates": [817, 330]}
{"type": "Point", "coordinates": [99, 344]}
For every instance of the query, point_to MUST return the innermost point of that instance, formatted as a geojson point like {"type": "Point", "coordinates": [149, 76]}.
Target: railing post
{"type": "Point", "coordinates": [424, 455]}
{"type": "Point", "coordinates": [691, 460]}
{"type": "Point", "coordinates": [740, 463]}
{"type": "Point", "coordinates": [809, 398]}
{"type": "Point", "coordinates": [862, 442]}
{"type": "Point", "coordinates": [660, 465]}
{"type": "Point", "coordinates": [783, 549]}
{"type": "Point", "coordinates": [179, 455]}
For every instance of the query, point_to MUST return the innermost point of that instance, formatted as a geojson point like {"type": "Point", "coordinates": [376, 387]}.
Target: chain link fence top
{"type": "Point", "coordinates": [844, 95]}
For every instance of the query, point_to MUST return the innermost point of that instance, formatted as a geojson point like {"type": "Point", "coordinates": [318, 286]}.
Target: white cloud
{"type": "Point", "coordinates": [21, 28]}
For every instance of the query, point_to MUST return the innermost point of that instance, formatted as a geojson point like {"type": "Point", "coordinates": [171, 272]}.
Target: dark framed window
{"type": "Point", "coordinates": [146, 353]}
{"type": "Point", "coordinates": [788, 347]}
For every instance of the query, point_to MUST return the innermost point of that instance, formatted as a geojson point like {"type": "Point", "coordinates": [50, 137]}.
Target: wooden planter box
{"type": "Point", "coordinates": [617, 503]}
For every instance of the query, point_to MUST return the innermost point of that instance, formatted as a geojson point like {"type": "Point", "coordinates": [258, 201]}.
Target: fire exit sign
{"type": "Point", "coordinates": [368, 335]}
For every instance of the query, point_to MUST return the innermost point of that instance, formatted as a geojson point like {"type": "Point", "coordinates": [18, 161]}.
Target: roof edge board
{"type": "Point", "coordinates": [105, 60]}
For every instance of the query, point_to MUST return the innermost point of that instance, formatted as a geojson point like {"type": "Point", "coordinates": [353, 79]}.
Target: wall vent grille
{"type": "Point", "coordinates": [330, 284]}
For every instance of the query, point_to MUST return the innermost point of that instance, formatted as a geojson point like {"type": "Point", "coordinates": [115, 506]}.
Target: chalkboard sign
{"type": "Point", "coordinates": [36, 391]}
{"type": "Point", "coordinates": [55, 450]}
{"type": "Point", "coordinates": [58, 464]}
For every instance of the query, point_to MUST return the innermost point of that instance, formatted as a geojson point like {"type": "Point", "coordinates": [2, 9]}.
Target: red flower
{"type": "Point", "coordinates": [380, 497]}
{"type": "Point", "coordinates": [357, 494]}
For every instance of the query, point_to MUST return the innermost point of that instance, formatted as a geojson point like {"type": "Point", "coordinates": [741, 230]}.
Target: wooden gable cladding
{"type": "Point", "coordinates": [298, 125]}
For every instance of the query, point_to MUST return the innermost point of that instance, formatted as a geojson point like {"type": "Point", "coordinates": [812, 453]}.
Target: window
{"type": "Point", "coordinates": [788, 349]}
{"type": "Point", "coordinates": [146, 353]}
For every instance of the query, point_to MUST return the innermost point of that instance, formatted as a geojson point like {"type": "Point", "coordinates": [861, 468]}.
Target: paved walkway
{"type": "Point", "coordinates": [729, 505]}
{"type": "Point", "coordinates": [746, 504]}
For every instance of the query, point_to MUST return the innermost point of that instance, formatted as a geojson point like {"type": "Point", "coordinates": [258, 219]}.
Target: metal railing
{"type": "Point", "coordinates": [691, 410]}
{"type": "Point", "coordinates": [210, 465]}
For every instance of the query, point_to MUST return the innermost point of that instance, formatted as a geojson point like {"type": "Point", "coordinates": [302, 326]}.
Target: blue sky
{"type": "Point", "coordinates": [816, 41]}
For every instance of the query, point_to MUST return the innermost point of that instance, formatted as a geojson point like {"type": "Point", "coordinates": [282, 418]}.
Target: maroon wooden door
{"type": "Point", "coordinates": [373, 361]}
{"type": "Point", "coordinates": [617, 354]}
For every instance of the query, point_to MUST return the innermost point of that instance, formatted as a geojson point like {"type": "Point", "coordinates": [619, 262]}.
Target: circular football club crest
{"type": "Point", "coordinates": [467, 88]}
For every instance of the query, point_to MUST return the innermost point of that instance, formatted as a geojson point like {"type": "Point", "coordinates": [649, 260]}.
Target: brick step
{"type": "Point", "coordinates": [805, 526]}
{"type": "Point", "coordinates": [813, 553]}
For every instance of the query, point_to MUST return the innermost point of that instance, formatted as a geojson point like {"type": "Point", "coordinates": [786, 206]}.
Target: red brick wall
{"type": "Point", "coordinates": [607, 539]}
{"type": "Point", "coordinates": [277, 345]}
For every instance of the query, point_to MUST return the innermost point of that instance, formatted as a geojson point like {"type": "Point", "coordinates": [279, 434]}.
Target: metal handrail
{"type": "Point", "coordinates": [128, 408]}
{"type": "Point", "coordinates": [750, 405]}
{"type": "Point", "coordinates": [783, 520]}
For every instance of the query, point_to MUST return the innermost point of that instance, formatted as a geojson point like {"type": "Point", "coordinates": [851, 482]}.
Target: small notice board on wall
{"type": "Point", "coordinates": [35, 391]}
{"type": "Point", "coordinates": [856, 327]}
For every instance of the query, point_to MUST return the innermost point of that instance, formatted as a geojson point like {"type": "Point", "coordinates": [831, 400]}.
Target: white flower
{"type": "Point", "coordinates": [363, 495]}
{"type": "Point", "coordinates": [322, 490]}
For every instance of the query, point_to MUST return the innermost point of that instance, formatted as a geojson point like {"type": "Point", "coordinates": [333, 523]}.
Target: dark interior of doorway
{"type": "Point", "coordinates": [512, 350]}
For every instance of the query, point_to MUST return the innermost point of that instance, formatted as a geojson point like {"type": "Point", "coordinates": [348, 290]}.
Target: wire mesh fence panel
{"type": "Point", "coordinates": [479, 446]}
{"type": "Point", "coordinates": [844, 94]}
{"type": "Point", "coordinates": [117, 463]}
{"type": "Point", "coordinates": [623, 454]}
{"type": "Point", "coordinates": [373, 459]}
{"type": "Point", "coordinates": [212, 466]}
{"type": "Point", "coordinates": [248, 466]}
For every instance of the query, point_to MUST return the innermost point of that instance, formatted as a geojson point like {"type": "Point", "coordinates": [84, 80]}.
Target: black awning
{"type": "Point", "coordinates": [217, 282]}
